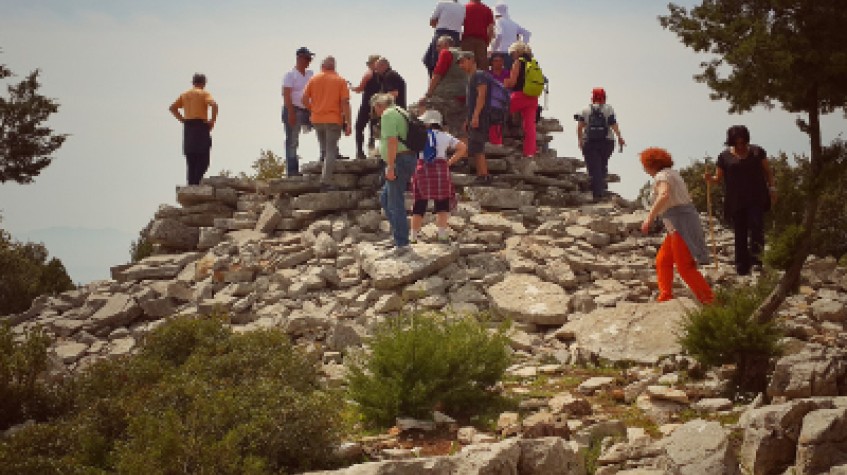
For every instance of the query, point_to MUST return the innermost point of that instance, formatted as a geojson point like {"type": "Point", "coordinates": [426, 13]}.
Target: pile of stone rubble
{"type": "Point", "coordinates": [576, 277]}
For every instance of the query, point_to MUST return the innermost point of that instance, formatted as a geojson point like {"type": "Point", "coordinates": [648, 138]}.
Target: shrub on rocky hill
{"type": "Point", "coordinates": [724, 333]}
{"type": "Point", "coordinates": [419, 362]}
{"type": "Point", "coordinates": [197, 399]}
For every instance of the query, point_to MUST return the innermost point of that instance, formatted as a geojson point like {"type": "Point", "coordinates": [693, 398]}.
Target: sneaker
{"type": "Point", "coordinates": [342, 157]}
{"type": "Point", "coordinates": [400, 251]}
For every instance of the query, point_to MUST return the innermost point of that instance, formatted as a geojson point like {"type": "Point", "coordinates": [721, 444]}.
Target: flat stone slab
{"type": "Point", "coordinates": [329, 201]}
{"type": "Point", "coordinates": [389, 271]}
{"type": "Point", "coordinates": [195, 194]}
{"type": "Point", "coordinates": [527, 298]}
{"type": "Point", "coordinates": [637, 332]}
{"type": "Point", "coordinates": [500, 198]}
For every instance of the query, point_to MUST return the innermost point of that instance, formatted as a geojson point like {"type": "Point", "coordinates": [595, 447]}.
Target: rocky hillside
{"type": "Point", "coordinates": [576, 277]}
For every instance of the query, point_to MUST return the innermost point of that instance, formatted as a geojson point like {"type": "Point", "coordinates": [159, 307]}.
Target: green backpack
{"type": "Point", "coordinates": [533, 84]}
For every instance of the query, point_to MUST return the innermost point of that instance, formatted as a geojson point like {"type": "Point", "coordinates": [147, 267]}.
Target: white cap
{"type": "Point", "coordinates": [431, 117]}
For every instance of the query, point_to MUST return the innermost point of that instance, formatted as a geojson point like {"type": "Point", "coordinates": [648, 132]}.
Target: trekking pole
{"type": "Point", "coordinates": [711, 221]}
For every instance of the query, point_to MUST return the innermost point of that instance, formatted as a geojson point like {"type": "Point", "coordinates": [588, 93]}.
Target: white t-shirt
{"type": "Point", "coordinates": [506, 32]}
{"type": "Point", "coordinates": [450, 15]}
{"type": "Point", "coordinates": [297, 83]}
{"type": "Point", "coordinates": [443, 142]}
{"type": "Point", "coordinates": [677, 192]}
{"type": "Point", "coordinates": [607, 111]}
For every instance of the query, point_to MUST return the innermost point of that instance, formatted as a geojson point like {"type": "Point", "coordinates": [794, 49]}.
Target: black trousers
{"type": "Point", "coordinates": [363, 120]}
{"type": "Point", "coordinates": [748, 223]}
{"type": "Point", "coordinates": [198, 165]}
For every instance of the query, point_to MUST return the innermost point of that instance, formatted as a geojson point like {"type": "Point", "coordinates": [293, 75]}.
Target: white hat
{"type": "Point", "coordinates": [431, 117]}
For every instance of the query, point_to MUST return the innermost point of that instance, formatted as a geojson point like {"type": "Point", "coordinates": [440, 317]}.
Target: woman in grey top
{"type": "Point", "coordinates": [684, 245]}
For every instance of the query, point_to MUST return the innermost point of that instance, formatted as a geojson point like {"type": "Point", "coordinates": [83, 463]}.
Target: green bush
{"type": "Point", "coordinates": [196, 399]}
{"type": "Point", "coordinates": [724, 333]}
{"type": "Point", "coordinates": [419, 362]}
{"type": "Point", "coordinates": [23, 393]}
{"type": "Point", "coordinates": [782, 247]}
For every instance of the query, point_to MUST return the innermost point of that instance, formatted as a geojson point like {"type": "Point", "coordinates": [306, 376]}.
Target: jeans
{"type": "Point", "coordinates": [292, 139]}
{"type": "Point", "coordinates": [597, 160]}
{"type": "Point", "coordinates": [393, 197]}
{"type": "Point", "coordinates": [748, 223]}
{"type": "Point", "coordinates": [328, 136]}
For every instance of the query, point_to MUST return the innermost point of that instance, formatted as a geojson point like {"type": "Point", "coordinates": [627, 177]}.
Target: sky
{"type": "Point", "coordinates": [116, 65]}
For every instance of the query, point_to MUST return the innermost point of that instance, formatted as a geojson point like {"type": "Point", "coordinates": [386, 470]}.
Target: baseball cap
{"type": "Point", "coordinates": [465, 55]}
{"type": "Point", "coordinates": [303, 51]}
{"type": "Point", "coordinates": [431, 117]}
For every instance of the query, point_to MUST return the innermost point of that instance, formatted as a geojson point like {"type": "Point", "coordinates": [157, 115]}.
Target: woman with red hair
{"type": "Point", "coordinates": [684, 245]}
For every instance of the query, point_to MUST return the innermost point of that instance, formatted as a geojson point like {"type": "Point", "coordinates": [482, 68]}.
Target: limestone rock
{"type": "Point", "coordinates": [119, 310]}
{"type": "Point", "coordinates": [702, 447]}
{"type": "Point", "coordinates": [550, 456]}
{"type": "Point", "coordinates": [172, 234]}
{"type": "Point", "coordinates": [820, 371]}
{"type": "Point", "coordinates": [619, 333]}
{"type": "Point", "coordinates": [325, 246]}
{"type": "Point", "coordinates": [269, 219]}
{"type": "Point", "coordinates": [823, 441]}
{"type": "Point", "coordinates": [828, 310]}
{"type": "Point", "coordinates": [500, 198]}
{"type": "Point", "coordinates": [329, 201]}
{"type": "Point", "coordinates": [526, 298]}
{"type": "Point", "coordinates": [388, 271]}
{"type": "Point", "coordinates": [567, 403]}
{"type": "Point", "coordinates": [195, 194]}
{"type": "Point", "coordinates": [71, 351]}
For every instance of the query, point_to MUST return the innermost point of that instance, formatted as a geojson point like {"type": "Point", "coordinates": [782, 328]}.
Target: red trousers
{"type": "Point", "coordinates": [674, 251]}
{"type": "Point", "coordinates": [527, 106]}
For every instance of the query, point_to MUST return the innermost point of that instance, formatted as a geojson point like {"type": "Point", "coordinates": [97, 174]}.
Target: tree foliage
{"type": "Point", "coordinates": [26, 144]}
{"type": "Point", "coordinates": [25, 273]}
{"type": "Point", "coordinates": [765, 52]}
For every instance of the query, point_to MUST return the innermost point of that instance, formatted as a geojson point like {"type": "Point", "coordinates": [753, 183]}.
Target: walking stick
{"type": "Point", "coordinates": [711, 222]}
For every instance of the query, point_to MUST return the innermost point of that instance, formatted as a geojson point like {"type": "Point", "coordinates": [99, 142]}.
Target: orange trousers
{"type": "Point", "coordinates": [674, 251]}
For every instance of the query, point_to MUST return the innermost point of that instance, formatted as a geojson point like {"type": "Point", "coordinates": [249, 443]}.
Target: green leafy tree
{"type": "Point", "coordinates": [789, 52]}
{"type": "Point", "coordinates": [268, 166]}
{"type": "Point", "coordinates": [25, 273]}
{"type": "Point", "coordinates": [26, 145]}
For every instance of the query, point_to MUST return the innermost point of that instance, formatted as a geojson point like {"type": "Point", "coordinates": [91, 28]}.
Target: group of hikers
{"type": "Point", "coordinates": [466, 105]}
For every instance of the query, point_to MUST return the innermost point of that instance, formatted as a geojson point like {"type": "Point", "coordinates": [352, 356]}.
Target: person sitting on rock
{"type": "Point", "coordinates": [446, 90]}
{"type": "Point", "coordinates": [432, 180]}
{"type": "Point", "coordinates": [684, 244]}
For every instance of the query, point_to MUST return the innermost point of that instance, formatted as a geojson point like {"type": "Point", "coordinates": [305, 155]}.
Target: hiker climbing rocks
{"type": "Point", "coordinates": [595, 132]}
{"type": "Point", "coordinates": [432, 180]}
{"type": "Point", "coordinates": [499, 72]}
{"type": "Point", "coordinates": [391, 82]}
{"type": "Point", "coordinates": [447, 87]}
{"type": "Point", "coordinates": [506, 32]}
{"type": "Point", "coordinates": [478, 31]}
{"type": "Point", "coordinates": [685, 244]}
{"type": "Point", "coordinates": [447, 19]}
{"type": "Point", "coordinates": [523, 80]}
{"type": "Point", "coordinates": [368, 86]}
{"type": "Point", "coordinates": [197, 127]}
{"type": "Point", "coordinates": [328, 100]}
{"type": "Point", "coordinates": [399, 167]}
{"type": "Point", "coordinates": [477, 123]}
{"type": "Point", "coordinates": [295, 116]}
{"type": "Point", "coordinates": [750, 190]}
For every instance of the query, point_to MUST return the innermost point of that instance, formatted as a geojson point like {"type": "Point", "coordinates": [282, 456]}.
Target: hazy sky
{"type": "Point", "coordinates": [116, 65]}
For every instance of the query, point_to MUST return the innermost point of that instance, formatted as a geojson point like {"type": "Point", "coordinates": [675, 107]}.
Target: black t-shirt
{"type": "Point", "coordinates": [392, 81]}
{"type": "Point", "coordinates": [745, 182]}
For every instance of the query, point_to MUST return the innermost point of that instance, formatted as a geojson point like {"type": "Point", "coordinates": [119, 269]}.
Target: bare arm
{"type": "Point", "coordinates": [716, 178]}
{"type": "Point", "coordinates": [490, 32]}
{"type": "Point", "coordinates": [770, 179]}
{"type": "Point", "coordinates": [361, 87]}
{"type": "Point", "coordinates": [433, 83]}
{"type": "Point", "coordinates": [214, 115]}
{"type": "Point", "coordinates": [458, 154]}
{"type": "Point", "coordinates": [289, 106]}
{"type": "Point", "coordinates": [433, 22]}
{"type": "Point", "coordinates": [580, 129]}
{"type": "Point", "coordinates": [511, 81]}
{"type": "Point", "coordinates": [662, 198]}
{"type": "Point", "coordinates": [617, 130]}
{"type": "Point", "coordinates": [175, 111]}
{"type": "Point", "coordinates": [347, 117]}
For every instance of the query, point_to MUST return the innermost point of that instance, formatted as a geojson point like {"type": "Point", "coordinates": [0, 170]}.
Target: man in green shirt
{"type": "Point", "coordinates": [400, 165]}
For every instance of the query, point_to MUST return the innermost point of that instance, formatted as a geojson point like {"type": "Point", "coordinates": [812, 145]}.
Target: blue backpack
{"type": "Point", "coordinates": [498, 101]}
{"type": "Point", "coordinates": [429, 151]}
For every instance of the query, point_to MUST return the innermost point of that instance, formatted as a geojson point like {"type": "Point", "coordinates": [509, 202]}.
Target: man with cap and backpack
{"type": "Point", "coordinates": [597, 126]}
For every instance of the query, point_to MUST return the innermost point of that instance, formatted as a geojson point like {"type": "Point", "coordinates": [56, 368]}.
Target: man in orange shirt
{"type": "Point", "coordinates": [328, 98]}
{"type": "Point", "coordinates": [197, 127]}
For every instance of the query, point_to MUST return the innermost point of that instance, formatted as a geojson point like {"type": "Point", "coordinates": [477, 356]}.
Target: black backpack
{"type": "Point", "coordinates": [598, 125]}
{"type": "Point", "coordinates": [416, 133]}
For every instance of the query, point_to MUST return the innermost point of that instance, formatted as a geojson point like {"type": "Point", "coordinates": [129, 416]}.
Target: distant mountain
{"type": "Point", "coordinates": [86, 253]}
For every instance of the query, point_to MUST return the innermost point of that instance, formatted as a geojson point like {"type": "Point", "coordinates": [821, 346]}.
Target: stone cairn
{"type": "Point", "coordinates": [575, 277]}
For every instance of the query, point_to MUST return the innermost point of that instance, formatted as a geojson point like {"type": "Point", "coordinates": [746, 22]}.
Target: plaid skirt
{"type": "Point", "coordinates": [432, 181]}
